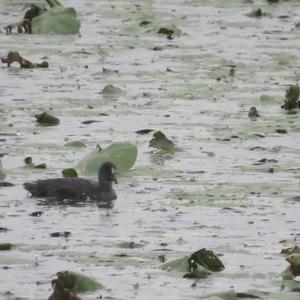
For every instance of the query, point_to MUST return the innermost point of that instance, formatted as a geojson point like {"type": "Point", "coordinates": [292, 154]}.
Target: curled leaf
{"type": "Point", "coordinates": [46, 119]}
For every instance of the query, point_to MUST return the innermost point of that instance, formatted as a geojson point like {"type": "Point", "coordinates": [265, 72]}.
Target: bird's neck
{"type": "Point", "coordinates": [103, 184]}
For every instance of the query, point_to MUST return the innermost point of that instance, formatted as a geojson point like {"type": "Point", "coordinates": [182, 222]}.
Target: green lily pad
{"type": "Point", "coordinates": [69, 172]}
{"type": "Point", "coordinates": [75, 144]}
{"type": "Point", "coordinates": [46, 119]}
{"type": "Point", "coordinates": [123, 155]}
{"type": "Point", "coordinates": [2, 173]}
{"type": "Point", "coordinates": [5, 246]}
{"type": "Point", "coordinates": [78, 283]}
{"type": "Point", "coordinates": [58, 20]}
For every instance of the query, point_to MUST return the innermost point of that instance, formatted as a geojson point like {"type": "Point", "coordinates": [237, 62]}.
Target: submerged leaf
{"type": "Point", "coordinates": [58, 20]}
{"type": "Point", "coordinates": [46, 119]}
{"type": "Point", "coordinates": [123, 155]}
{"type": "Point", "coordinates": [77, 283]}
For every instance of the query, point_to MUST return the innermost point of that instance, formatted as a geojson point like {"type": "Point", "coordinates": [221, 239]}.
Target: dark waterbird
{"type": "Point", "coordinates": [77, 188]}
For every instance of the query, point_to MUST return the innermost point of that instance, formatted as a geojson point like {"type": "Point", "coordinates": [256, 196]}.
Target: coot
{"type": "Point", "coordinates": [77, 188]}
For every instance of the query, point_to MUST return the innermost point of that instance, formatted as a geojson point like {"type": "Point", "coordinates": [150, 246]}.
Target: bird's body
{"type": "Point", "coordinates": [77, 188]}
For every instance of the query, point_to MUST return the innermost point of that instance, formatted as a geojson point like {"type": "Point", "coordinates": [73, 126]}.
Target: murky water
{"type": "Point", "coordinates": [175, 204]}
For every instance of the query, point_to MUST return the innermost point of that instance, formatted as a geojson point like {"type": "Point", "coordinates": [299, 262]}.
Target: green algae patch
{"type": "Point", "coordinates": [77, 283]}
{"type": "Point", "coordinates": [5, 246]}
{"type": "Point", "coordinates": [57, 20]}
{"type": "Point", "coordinates": [123, 155]}
{"type": "Point", "coordinates": [75, 144]}
{"type": "Point", "coordinates": [46, 119]}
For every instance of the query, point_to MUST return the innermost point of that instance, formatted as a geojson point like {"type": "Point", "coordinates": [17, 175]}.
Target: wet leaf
{"type": "Point", "coordinates": [75, 144]}
{"type": "Point", "coordinates": [207, 259]}
{"type": "Point", "coordinates": [58, 20]}
{"type": "Point", "coordinates": [2, 173]}
{"type": "Point", "coordinates": [123, 155]}
{"type": "Point", "coordinates": [199, 265]}
{"type": "Point", "coordinates": [69, 172]}
{"type": "Point", "coordinates": [5, 246]}
{"type": "Point", "coordinates": [161, 142]}
{"type": "Point", "coordinates": [46, 119]}
{"type": "Point", "coordinates": [77, 283]}
{"type": "Point", "coordinates": [111, 90]}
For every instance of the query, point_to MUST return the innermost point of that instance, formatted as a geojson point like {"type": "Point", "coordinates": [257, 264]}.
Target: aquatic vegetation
{"type": "Point", "coordinates": [291, 100]}
{"type": "Point", "coordinates": [123, 155]}
{"type": "Point", "coordinates": [199, 264]}
{"type": "Point", "coordinates": [46, 119]}
{"type": "Point", "coordinates": [70, 172]}
{"type": "Point", "coordinates": [56, 19]}
{"type": "Point", "coordinates": [5, 246]}
{"type": "Point", "coordinates": [161, 142]}
{"type": "Point", "coordinates": [77, 283]}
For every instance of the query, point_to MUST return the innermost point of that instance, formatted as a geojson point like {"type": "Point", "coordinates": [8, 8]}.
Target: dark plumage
{"type": "Point", "coordinates": [77, 188]}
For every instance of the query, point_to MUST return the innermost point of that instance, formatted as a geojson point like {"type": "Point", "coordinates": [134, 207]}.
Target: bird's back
{"type": "Point", "coordinates": [63, 188]}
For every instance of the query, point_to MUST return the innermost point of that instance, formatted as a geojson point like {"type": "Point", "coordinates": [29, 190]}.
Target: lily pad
{"type": "Point", "coordinates": [58, 20]}
{"type": "Point", "coordinates": [123, 155]}
{"type": "Point", "coordinates": [77, 283]}
{"type": "Point", "coordinates": [75, 144]}
{"type": "Point", "coordinates": [69, 172]}
{"type": "Point", "coordinates": [46, 119]}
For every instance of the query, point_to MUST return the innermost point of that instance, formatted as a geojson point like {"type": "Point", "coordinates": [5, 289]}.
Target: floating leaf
{"type": "Point", "coordinates": [207, 259]}
{"type": "Point", "coordinates": [123, 155]}
{"type": "Point", "coordinates": [77, 283]}
{"type": "Point", "coordinates": [5, 246]}
{"type": "Point", "coordinates": [199, 265]}
{"type": "Point", "coordinates": [111, 90]}
{"type": "Point", "coordinates": [46, 119]}
{"type": "Point", "coordinates": [160, 141]}
{"type": "Point", "coordinates": [58, 20]}
{"type": "Point", "coordinates": [2, 173]}
{"type": "Point", "coordinates": [69, 172]}
{"type": "Point", "coordinates": [75, 144]}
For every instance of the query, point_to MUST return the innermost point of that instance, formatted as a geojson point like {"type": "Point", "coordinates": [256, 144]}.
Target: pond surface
{"type": "Point", "coordinates": [211, 194]}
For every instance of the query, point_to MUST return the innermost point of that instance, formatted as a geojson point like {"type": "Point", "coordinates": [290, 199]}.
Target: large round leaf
{"type": "Point", "coordinates": [123, 155]}
{"type": "Point", "coordinates": [58, 19]}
